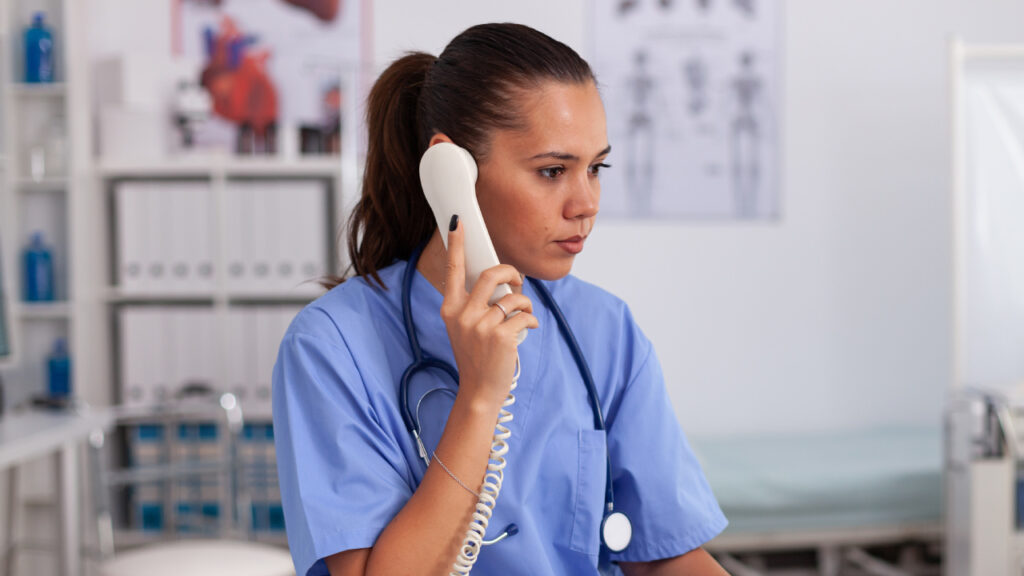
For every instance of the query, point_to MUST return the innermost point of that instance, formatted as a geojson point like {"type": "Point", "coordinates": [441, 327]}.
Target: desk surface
{"type": "Point", "coordinates": [27, 435]}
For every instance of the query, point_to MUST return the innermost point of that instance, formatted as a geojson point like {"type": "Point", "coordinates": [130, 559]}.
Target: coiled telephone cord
{"type": "Point", "coordinates": [488, 496]}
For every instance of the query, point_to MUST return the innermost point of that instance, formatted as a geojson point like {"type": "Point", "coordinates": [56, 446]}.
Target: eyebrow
{"type": "Point", "coordinates": [569, 157]}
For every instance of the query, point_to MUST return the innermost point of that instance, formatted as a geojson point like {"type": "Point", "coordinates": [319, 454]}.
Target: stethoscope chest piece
{"type": "Point", "coordinates": [616, 531]}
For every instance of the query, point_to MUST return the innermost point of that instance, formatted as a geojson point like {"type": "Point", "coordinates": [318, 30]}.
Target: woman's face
{"type": "Point", "coordinates": [538, 188]}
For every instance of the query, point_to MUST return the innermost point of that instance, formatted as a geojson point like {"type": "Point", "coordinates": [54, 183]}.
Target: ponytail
{"type": "Point", "coordinates": [392, 216]}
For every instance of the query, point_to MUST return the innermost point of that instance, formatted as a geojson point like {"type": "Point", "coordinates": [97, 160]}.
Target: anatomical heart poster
{"type": "Point", "coordinates": [277, 75]}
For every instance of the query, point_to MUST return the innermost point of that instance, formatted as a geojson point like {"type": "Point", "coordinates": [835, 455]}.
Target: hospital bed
{"type": "Point", "coordinates": [833, 496]}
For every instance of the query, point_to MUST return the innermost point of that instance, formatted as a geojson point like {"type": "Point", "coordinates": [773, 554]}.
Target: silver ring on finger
{"type": "Point", "coordinates": [502, 308]}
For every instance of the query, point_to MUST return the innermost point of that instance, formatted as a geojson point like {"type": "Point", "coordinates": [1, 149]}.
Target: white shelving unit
{"type": "Point", "coordinates": [218, 171]}
{"type": "Point", "coordinates": [38, 116]}
{"type": "Point", "coordinates": [217, 166]}
{"type": "Point", "coordinates": [74, 208]}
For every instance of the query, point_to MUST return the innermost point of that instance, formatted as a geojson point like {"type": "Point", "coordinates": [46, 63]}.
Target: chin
{"type": "Point", "coordinates": [552, 271]}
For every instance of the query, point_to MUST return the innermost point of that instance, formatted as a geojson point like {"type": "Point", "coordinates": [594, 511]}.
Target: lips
{"type": "Point", "coordinates": [572, 245]}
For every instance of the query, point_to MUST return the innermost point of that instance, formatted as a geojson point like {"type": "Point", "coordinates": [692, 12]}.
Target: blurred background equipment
{"type": "Point", "coordinates": [985, 415]}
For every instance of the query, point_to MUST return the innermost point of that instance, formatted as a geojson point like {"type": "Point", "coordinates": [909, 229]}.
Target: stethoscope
{"type": "Point", "coordinates": [616, 529]}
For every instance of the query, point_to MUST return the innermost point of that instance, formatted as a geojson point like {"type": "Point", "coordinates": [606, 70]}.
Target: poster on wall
{"type": "Point", "coordinates": [692, 94]}
{"type": "Point", "coordinates": [275, 74]}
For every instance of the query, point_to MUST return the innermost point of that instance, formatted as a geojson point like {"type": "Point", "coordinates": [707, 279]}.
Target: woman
{"type": "Point", "coordinates": [358, 498]}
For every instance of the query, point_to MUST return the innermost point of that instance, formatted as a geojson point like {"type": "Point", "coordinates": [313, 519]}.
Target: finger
{"type": "Point", "coordinates": [496, 314]}
{"type": "Point", "coordinates": [518, 323]}
{"type": "Point", "coordinates": [455, 269]}
{"type": "Point", "coordinates": [512, 303]}
{"type": "Point", "coordinates": [508, 306]}
{"type": "Point", "coordinates": [489, 279]}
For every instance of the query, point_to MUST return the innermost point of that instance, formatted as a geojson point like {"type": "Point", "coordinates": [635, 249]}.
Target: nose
{"type": "Point", "coordinates": [584, 198]}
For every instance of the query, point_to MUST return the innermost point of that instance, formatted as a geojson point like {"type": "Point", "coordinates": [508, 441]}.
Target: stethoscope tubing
{"type": "Point", "coordinates": [421, 362]}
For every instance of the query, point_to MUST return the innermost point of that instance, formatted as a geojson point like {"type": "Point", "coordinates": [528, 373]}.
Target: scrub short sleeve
{"type": "Point", "coordinates": [339, 471]}
{"type": "Point", "coordinates": [658, 482]}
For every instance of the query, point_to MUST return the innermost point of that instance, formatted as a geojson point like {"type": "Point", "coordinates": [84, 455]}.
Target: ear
{"type": "Point", "coordinates": [439, 137]}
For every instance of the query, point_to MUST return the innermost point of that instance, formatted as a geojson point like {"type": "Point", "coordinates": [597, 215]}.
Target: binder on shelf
{"type": "Point", "coordinates": [151, 350]}
{"type": "Point", "coordinates": [236, 223]}
{"type": "Point", "coordinates": [275, 236]}
{"type": "Point", "coordinates": [157, 239]}
{"type": "Point", "coordinates": [195, 348]}
{"type": "Point", "coordinates": [305, 231]}
{"type": "Point", "coordinates": [165, 361]}
{"type": "Point", "coordinates": [175, 202]}
{"type": "Point", "coordinates": [266, 235]}
{"type": "Point", "coordinates": [134, 388]}
{"type": "Point", "coordinates": [281, 210]}
{"type": "Point", "coordinates": [147, 364]}
{"type": "Point", "coordinates": [129, 206]}
{"type": "Point", "coordinates": [203, 214]}
{"type": "Point", "coordinates": [185, 226]}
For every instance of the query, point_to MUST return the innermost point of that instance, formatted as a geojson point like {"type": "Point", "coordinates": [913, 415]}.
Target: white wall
{"type": "Point", "coordinates": [836, 316]}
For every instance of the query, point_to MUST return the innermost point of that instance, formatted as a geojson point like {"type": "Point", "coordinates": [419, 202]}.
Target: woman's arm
{"type": "Point", "coordinates": [426, 535]}
{"type": "Point", "coordinates": [696, 563]}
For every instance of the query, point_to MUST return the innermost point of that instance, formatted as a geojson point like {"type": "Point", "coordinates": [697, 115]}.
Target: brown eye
{"type": "Point", "coordinates": [596, 168]}
{"type": "Point", "coordinates": [552, 172]}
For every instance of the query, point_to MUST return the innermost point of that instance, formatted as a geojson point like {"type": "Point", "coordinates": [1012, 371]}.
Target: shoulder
{"type": "Point", "coordinates": [616, 350]}
{"type": "Point", "coordinates": [588, 303]}
{"type": "Point", "coordinates": [342, 312]}
{"type": "Point", "coordinates": [600, 320]}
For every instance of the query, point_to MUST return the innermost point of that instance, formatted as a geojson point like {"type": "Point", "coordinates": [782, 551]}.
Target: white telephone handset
{"type": "Point", "coordinates": [448, 175]}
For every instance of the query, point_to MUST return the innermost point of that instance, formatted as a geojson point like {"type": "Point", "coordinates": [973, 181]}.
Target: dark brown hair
{"type": "Point", "coordinates": [469, 91]}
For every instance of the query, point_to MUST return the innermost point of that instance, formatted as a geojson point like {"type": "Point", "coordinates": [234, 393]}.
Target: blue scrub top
{"type": "Point", "coordinates": [347, 464]}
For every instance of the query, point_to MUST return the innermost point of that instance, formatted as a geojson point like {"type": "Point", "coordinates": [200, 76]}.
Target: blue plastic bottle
{"type": "Point", "coordinates": [59, 371]}
{"type": "Point", "coordinates": [38, 271]}
{"type": "Point", "coordinates": [38, 51]}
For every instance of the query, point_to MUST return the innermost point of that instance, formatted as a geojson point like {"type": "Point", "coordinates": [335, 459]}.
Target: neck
{"type": "Point", "coordinates": [433, 264]}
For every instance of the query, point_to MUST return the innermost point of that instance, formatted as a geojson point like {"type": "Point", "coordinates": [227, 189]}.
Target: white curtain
{"type": "Point", "coordinates": [992, 303]}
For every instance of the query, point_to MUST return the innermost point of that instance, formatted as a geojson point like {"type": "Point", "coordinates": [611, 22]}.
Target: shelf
{"type": "Point", "coordinates": [118, 296]}
{"type": "Point", "coordinates": [59, 310]}
{"type": "Point", "coordinates": [222, 165]}
{"type": "Point", "coordinates": [49, 184]}
{"type": "Point", "coordinates": [50, 90]}
{"type": "Point", "coordinates": [273, 297]}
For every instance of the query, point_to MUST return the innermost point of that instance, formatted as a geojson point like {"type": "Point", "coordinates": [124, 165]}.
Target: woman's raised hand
{"type": "Point", "coordinates": [483, 338]}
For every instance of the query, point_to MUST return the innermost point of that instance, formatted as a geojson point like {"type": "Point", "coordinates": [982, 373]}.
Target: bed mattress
{"type": "Point", "coordinates": [830, 480]}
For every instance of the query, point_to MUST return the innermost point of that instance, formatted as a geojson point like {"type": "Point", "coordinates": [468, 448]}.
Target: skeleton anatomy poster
{"type": "Point", "coordinates": [691, 90]}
